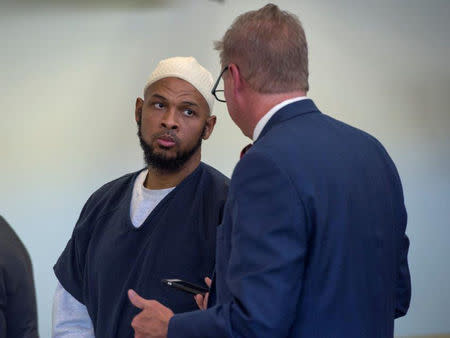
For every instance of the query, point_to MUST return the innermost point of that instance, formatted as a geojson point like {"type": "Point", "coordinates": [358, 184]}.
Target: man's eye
{"type": "Point", "coordinates": [158, 105]}
{"type": "Point", "coordinates": [188, 112]}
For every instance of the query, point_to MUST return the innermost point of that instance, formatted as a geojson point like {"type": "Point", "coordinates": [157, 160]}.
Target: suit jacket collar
{"type": "Point", "coordinates": [287, 112]}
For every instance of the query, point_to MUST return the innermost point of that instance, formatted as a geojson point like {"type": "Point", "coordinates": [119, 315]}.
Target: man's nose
{"type": "Point", "coordinates": [170, 119]}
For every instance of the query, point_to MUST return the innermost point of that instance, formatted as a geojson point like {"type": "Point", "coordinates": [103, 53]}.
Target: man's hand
{"type": "Point", "coordinates": [202, 300]}
{"type": "Point", "coordinates": [153, 320]}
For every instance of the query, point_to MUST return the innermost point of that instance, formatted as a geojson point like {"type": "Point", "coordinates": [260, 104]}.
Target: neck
{"type": "Point", "coordinates": [259, 104]}
{"type": "Point", "coordinates": [159, 179]}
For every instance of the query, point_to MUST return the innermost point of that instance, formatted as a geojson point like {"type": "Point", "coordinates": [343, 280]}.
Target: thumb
{"type": "Point", "coordinates": [136, 300]}
{"type": "Point", "coordinates": [208, 281]}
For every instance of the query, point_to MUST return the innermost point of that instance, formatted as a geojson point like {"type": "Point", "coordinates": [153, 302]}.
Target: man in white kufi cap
{"type": "Point", "coordinates": [156, 223]}
{"type": "Point", "coordinates": [188, 69]}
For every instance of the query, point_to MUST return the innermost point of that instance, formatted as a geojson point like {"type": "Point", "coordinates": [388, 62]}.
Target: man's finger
{"type": "Point", "coordinates": [199, 301]}
{"type": "Point", "coordinates": [136, 300]}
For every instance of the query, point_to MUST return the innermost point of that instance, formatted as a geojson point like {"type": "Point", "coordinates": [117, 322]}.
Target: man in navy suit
{"type": "Point", "coordinates": [312, 242]}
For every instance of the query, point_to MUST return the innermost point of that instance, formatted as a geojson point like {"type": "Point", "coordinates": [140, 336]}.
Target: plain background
{"type": "Point", "coordinates": [70, 74]}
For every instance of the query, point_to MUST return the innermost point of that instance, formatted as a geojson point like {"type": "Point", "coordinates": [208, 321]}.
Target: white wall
{"type": "Point", "coordinates": [70, 75]}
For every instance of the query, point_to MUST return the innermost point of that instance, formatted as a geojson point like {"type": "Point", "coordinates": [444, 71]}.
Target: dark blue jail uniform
{"type": "Point", "coordinates": [107, 255]}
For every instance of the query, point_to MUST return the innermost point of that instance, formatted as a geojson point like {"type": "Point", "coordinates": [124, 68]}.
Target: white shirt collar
{"type": "Point", "coordinates": [263, 121]}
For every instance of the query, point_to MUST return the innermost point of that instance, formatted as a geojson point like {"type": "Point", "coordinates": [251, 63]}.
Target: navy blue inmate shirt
{"type": "Point", "coordinates": [107, 255]}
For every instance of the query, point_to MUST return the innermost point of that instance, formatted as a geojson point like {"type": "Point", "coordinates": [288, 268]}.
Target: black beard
{"type": "Point", "coordinates": [160, 161]}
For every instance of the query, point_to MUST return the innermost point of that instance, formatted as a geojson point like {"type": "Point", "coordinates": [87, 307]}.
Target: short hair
{"type": "Point", "coordinates": [269, 46]}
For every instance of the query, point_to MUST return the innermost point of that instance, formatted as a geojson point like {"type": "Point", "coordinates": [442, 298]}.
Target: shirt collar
{"type": "Point", "coordinates": [263, 121]}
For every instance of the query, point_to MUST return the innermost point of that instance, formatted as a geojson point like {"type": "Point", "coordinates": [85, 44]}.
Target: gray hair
{"type": "Point", "coordinates": [269, 46]}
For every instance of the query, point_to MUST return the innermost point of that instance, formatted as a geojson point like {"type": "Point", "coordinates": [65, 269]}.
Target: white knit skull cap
{"type": "Point", "coordinates": [188, 69]}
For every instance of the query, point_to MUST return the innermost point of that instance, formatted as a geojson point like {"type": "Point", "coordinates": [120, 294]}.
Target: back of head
{"type": "Point", "coordinates": [269, 46]}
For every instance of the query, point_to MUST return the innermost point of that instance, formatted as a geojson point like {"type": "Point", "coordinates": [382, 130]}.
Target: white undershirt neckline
{"type": "Point", "coordinates": [144, 200]}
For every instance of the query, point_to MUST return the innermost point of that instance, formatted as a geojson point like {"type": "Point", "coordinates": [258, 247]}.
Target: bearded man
{"type": "Point", "coordinates": [159, 222]}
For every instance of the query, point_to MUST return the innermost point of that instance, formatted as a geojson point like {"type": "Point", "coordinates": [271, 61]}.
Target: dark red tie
{"type": "Point", "coordinates": [246, 148]}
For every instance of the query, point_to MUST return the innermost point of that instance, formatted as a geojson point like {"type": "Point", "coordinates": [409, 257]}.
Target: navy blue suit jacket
{"type": "Point", "coordinates": [312, 242]}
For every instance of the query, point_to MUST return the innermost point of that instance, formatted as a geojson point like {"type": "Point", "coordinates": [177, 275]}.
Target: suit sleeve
{"type": "Point", "coordinates": [403, 287]}
{"type": "Point", "coordinates": [18, 312]}
{"type": "Point", "coordinates": [266, 265]}
{"type": "Point", "coordinates": [2, 303]}
{"type": "Point", "coordinates": [403, 290]}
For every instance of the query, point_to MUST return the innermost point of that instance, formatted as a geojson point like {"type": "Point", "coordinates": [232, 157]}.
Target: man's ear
{"type": "Point", "coordinates": [138, 109]}
{"type": "Point", "coordinates": [209, 127]}
{"type": "Point", "coordinates": [235, 77]}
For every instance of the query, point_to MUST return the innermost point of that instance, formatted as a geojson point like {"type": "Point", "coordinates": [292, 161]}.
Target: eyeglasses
{"type": "Point", "coordinates": [219, 94]}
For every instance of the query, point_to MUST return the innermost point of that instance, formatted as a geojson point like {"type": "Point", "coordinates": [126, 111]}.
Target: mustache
{"type": "Point", "coordinates": [167, 133]}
